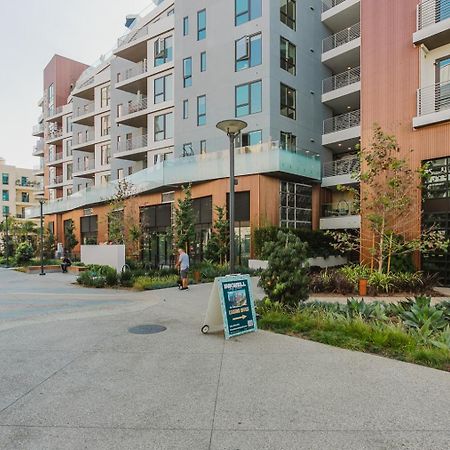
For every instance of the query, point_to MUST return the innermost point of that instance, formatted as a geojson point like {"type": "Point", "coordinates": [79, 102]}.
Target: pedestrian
{"type": "Point", "coordinates": [65, 263]}
{"type": "Point", "coordinates": [183, 266]}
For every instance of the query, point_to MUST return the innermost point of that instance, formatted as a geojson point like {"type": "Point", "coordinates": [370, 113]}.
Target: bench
{"type": "Point", "coordinates": [54, 269]}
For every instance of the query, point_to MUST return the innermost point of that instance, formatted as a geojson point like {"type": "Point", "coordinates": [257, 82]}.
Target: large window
{"type": "Point", "coordinates": [295, 205]}
{"type": "Point", "coordinates": [187, 72]}
{"type": "Point", "coordinates": [288, 13]}
{"type": "Point", "coordinates": [248, 98]}
{"type": "Point", "coordinates": [437, 184]}
{"type": "Point", "coordinates": [288, 56]}
{"type": "Point", "coordinates": [248, 51]}
{"type": "Point", "coordinates": [288, 141]}
{"type": "Point", "coordinates": [88, 227]}
{"type": "Point", "coordinates": [163, 50]}
{"type": "Point", "coordinates": [246, 10]}
{"type": "Point", "coordinates": [5, 210]}
{"type": "Point", "coordinates": [105, 154]}
{"type": "Point", "coordinates": [164, 127]}
{"type": "Point", "coordinates": [5, 178]}
{"type": "Point", "coordinates": [5, 195]}
{"type": "Point", "coordinates": [105, 125]}
{"type": "Point", "coordinates": [252, 138]}
{"type": "Point", "coordinates": [105, 97]}
{"type": "Point", "coordinates": [201, 25]}
{"type": "Point", "coordinates": [288, 101]}
{"type": "Point", "coordinates": [201, 110]}
{"type": "Point", "coordinates": [163, 90]}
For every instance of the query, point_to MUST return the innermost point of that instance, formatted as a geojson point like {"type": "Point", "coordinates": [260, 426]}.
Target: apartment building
{"type": "Point", "coordinates": [19, 188]}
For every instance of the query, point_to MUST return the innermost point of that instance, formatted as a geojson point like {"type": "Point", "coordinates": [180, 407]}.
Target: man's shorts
{"type": "Point", "coordinates": [184, 274]}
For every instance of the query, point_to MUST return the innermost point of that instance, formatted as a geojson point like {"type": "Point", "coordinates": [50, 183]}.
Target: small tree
{"type": "Point", "coordinates": [218, 245]}
{"type": "Point", "coordinates": [24, 252]}
{"type": "Point", "coordinates": [49, 244]}
{"type": "Point", "coordinates": [285, 279]}
{"type": "Point", "coordinates": [70, 239]}
{"type": "Point", "coordinates": [184, 223]}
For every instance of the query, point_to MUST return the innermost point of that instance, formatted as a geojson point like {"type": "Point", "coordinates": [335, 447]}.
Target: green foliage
{"type": "Point", "coordinates": [49, 244]}
{"type": "Point", "coordinates": [24, 252]}
{"type": "Point", "coordinates": [184, 226]}
{"type": "Point", "coordinates": [98, 276]}
{"type": "Point", "coordinates": [217, 248]}
{"type": "Point", "coordinates": [70, 239]}
{"type": "Point", "coordinates": [423, 316]}
{"type": "Point", "coordinates": [150, 283]}
{"type": "Point", "coordinates": [126, 278]}
{"type": "Point", "coordinates": [286, 280]}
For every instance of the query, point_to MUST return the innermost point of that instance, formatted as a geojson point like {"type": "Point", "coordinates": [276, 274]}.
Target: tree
{"type": "Point", "coordinates": [49, 244]}
{"type": "Point", "coordinates": [24, 252]}
{"type": "Point", "coordinates": [285, 279]}
{"type": "Point", "coordinates": [184, 223]}
{"type": "Point", "coordinates": [389, 188]}
{"type": "Point", "coordinates": [217, 249]}
{"type": "Point", "coordinates": [70, 239]}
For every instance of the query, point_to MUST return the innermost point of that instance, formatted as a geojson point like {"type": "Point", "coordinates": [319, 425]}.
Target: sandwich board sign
{"type": "Point", "coordinates": [231, 306]}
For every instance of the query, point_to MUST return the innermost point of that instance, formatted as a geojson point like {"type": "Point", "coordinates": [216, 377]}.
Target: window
{"type": "Point", "coordinates": [185, 26]}
{"type": "Point", "coordinates": [252, 138]}
{"type": "Point", "coordinates": [288, 141]}
{"type": "Point", "coordinates": [88, 227]}
{"type": "Point", "coordinates": [119, 110]}
{"type": "Point", "coordinates": [201, 110]}
{"type": "Point", "coordinates": [295, 205]}
{"type": "Point", "coordinates": [187, 72]}
{"type": "Point", "coordinates": [163, 89]}
{"type": "Point", "coordinates": [248, 98]}
{"type": "Point", "coordinates": [288, 56]}
{"type": "Point", "coordinates": [104, 97]}
{"type": "Point", "coordinates": [51, 99]}
{"type": "Point", "coordinates": [437, 184]}
{"type": "Point", "coordinates": [68, 147]}
{"type": "Point", "coordinates": [248, 52]}
{"type": "Point", "coordinates": [5, 210]}
{"type": "Point", "coordinates": [202, 147]}
{"type": "Point", "coordinates": [105, 154]}
{"type": "Point", "coordinates": [24, 181]}
{"type": "Point", "coordinates": [69, 172]}
{"type": "Point", "coordinates": [120, 174]}
{"type": "Point", "coordinates": [69, 126]}
{"type": "Point", "coordinates": [188, 150]}
{"type": "Point", "coordinates": [25, 197]}
{"type": "Point", "coordinates": [201, 25]}
{"type": "Point", "coordinates": [105, 125]}
{"type": "Point", "coordinates": [5, 178]}
{"type": "Point", "coordinates": [185, 109]}
{"type": "Point", "coordinates": [288, 13]}
{"type": "Point", "coordinates": [5, 195]}
{"type": "Point", "coordinates": [163, 127]}
{"type": "Point", "coordinates": [163, 51]}
{"type": "Point", "coordinates": [246, 10]}
{"type": "Point", "coordinates": [288, 101]}
{"type": "Point", "coordinates": [203, 62]}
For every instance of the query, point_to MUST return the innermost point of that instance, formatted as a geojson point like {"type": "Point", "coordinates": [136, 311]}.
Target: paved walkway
{"type": "Point", "coordinates": [73, 377]}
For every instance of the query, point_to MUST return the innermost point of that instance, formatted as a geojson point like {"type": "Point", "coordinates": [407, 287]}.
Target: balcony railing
{"type": "Point", "coordinates": [342, 122]}
{"type": "Point", "coordinates": [345, 166]}
{"type": "Point", "coordinates": [133, 36]}
{"type": "Point", "coordinates": [54, 111]}
{"type": "Point", "coordinates": [83, 138]}
{"type": "Point", "coordinates": [328, 4]}
{"type": "Point", "coordinates": [38, 148]}
{"type": "Point", "coordinates": [84, 165]}
{"type": "Point", "coordinates": [133, 144]}
{"type": "Point", "coordinates": [85, 109]}
{"type": "Point", "coordinates": [341, 80]}
{"type": "Point", "coordinates": [138, 105]}
{"type": "Point", "coordinates": [340, 209]}
{"type": "Point", "coordinates": [434, 98]}
{"type": "Point", "coordinates": [55, 157]}
{"type": "Point", "coordinates": [56, 180]}
{"type": "Point", "coordinates": [38, 129]}
{"type": "Point", "coordinates": [430, 12]}
{"type": "Point", "coordinates": [55, 134]}
{"type": "Point", "coordinates": [341, 38]}
{"type": "Point", "coordinates": [31, 184]}
{"type": "Point", "coordinates": [84, 83]}
{"type": "Point", "coordinates": [138, 69]}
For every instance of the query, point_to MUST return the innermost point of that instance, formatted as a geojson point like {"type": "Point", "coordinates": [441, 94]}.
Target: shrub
{"type": "Point", "coordinates": [90, 279]}
{"type": "Point", "coordinates": [110, 274]}
{"type": "Point", "coordinates": [149, 283]}
{"type": "Point", "coordinates": [24, 252]}
{"type": "Point", "coordinates": [285, 280]}
{"type": "Point", "coordinates": [126, 278]}
{"type": "Point", "coordinates": [422, 316]}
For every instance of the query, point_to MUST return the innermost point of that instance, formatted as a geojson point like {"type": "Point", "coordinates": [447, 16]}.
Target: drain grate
{"type": "Point", "coordinates": [147, 329]}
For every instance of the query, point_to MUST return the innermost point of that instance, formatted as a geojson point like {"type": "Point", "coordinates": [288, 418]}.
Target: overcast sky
{"type": "Point", "coordinates": [32, 32]}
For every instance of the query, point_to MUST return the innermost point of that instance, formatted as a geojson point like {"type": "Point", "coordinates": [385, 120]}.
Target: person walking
{"type": "Point", "coordinates": [183, 266]}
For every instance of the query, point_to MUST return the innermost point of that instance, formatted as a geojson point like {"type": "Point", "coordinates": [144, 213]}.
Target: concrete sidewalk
{"type": "Point", "coordinates": [80, 380]}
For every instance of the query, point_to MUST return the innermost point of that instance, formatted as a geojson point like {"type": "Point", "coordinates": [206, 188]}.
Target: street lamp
{"type": "Point", "coordinates": [232, 128]}
{"type": "Point", "coordinates": [7, 238]}
{"type": "Point", "coordinates": [41, 203]}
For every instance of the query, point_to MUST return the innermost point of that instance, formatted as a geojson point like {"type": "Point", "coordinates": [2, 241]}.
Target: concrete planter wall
{"type": "Point", "coordinates": [331, 261]}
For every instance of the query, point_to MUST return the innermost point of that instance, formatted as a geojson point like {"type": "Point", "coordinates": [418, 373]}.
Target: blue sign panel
{"type": "Point", "coordinates": [238, 307]}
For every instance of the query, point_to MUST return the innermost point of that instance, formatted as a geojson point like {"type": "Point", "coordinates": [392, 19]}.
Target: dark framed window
{"type": "Point", "coordinates": [201, 110]}
{"type": "Point", "coordinates": [295, 205]}
{"type": "Point", "coordinates": [288, 101]}
{"type": "Point", "coordinates": [248, 98]}
{"type": "Point", "coordinates": [185, 26]}
{"type": "Point", "coordinates": [163, 90]}
{"type": "Point", "coordinates": [163, 127]}
{"type": "Point", "coordinates": [288, 13]}
{"type": "Point", "coordinates": [252, 138]}
{"type": "Point", "coordinates": [188, 150]}
{"type": "Point", "coordinates": [163, 49]}
{"type": "Point", "coordinates": [187, 72]}
{"type": "Point", "coordinates": [89, 230]}
{"type": "Point", "coordinates": [203, 62]}
{"type": "Point", "coordinates": [202, 147]}
{"type": "Point", "coordinates": [248, 52]}
{"type": "Point", "coordinates": [288, 56]}
{"type": "Point", "coordinates": [246, 10]}
{"type": "Point", "coordinates": [201, 25]}
{"type": "Point", "coordinates": [288, 141]}
{"type": "Point", "coordinates": [185, 109]}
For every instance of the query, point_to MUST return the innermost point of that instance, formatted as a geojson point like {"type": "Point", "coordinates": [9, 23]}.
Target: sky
{"type": "Point", "coordinates": [32, 32]}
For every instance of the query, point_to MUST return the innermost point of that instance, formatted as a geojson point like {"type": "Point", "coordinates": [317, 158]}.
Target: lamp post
{"type": "Point", "coordinates": [232, 128]}
{"type": "Point", "coordinates": [41, 203]}
{"type": "Point", "coordinates": [7, 238]}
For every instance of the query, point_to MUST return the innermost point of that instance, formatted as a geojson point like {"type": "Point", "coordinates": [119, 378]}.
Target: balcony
{"type": "Point", "coordinates": [342, 49]}
{"type": "Point", "coordinates": [38, 170]}
{"type": "Point", "coordinates": [84, 141]}
{"type": "Point", "coordinates": [134, 79]}
{"type": "Point", "coordinates": [38, 149]}
{"type": "Point", "coordinates": [342, 132]}
{"type": "Point", "coordinates": [338, 14]}
{"type": "Point", "coordinates": [268, 158]}
{"type": "Point", "coordinates": [135, 114]}
{"type": "Point", "coordinates": [341, 172]}
{"type": "Point", "coordinates": [55, 136]}
{"type": "Point", "coordinates": [134, 149]}
{"type": "Point", "coordinates": [23, 200]}
{"type": "Point", "coordinates": [26, 185]}
{"type": "Point", "coordinates": [55, 115]}
{"type": "Point", "coordinates": [340, 216]}
{"type": "Point", "coordinates": [55, 159]}
{"type": "Point", "coordinates": [55, 181]}
{"type": "Point", "coordinates": [38, 130]}
{"type": "Point", "coordinates": [133, 46]}
{"type": "Point", "coordinates": [433, 23]}
{"type": "Point", "coordinates": [84, 115]}
{"type": "Point", "coordinates": [343, 90]}
{"type": "Point", "coordinates": [85, 88]}
{"type": "Point", "coordinates": [433, 105]}
{"type": "Point", "coordinates": [85, 168]}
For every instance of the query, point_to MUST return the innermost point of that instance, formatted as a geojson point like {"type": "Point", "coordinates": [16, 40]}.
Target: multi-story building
{"type": "Point", "coordinates": [310, 79]}
{"type": "Point", "coordinates": [19, 188]}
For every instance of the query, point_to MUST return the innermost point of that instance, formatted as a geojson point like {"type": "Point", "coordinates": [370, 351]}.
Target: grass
{"type": "Point", "coordinates": [386, 339]}
{"type": "Point", "coordinates": [150, 283]}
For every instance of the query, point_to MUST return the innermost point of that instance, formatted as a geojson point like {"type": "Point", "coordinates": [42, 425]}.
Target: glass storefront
{"type": "Point", "coordinates": [295, 205]}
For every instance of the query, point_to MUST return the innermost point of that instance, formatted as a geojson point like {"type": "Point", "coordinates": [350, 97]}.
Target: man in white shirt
{"type": "Point", "coordinates": [183, 265]}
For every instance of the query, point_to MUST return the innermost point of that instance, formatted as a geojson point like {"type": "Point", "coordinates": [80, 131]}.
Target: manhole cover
{"type": "Point", "coordinates": [147, 329]}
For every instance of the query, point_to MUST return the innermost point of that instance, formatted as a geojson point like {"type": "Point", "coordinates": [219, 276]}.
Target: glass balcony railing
{"type": "Point", "coordinates": [343, 208]}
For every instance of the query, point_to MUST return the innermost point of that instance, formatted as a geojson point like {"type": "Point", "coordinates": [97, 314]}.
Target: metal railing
{"type": "Point", "coordinates": [54, 157]}
{"type": "Point", "coordinates": [133, 143]}
{"type": "Point", "coordinates": [137, 105]}
{"type": "Point", "coordinates": [83, 138]}
{"type": "Point", "coordinates": [54, 111]}
{"type": "Point", "coordinates": [434, 98]}
{"type": "Point", "coordinates": [430, 12]}
{"type": "Point", "coordinates": [343, 208]}
{"type": "Point", "coordinates": [341, 38]}
{"type": "Point", "coordinates": [55, 134]}
{"type": "Point", "coordinates": [84, 165]}
{"type": "Point", "coordinates": [84, 109]}
{"type": "Point", "coordinates": [137, 69]}
{"type": "Point", "coordinates": [341, 80]}
{"type": "Point", "coordinates": [328, 4]}
{"type": "Point", "coordinates": [37, 129]}
{"type": "Point", "coordinates": [344, 166]}
{"type": "Point", "coordinates": [58, 179]}
{"type": "Point", "coordinates": [27, 183]}
{"type": "Point", "coordinates": [81, 84]}
{"type": "Point", "coordinates": [342, 122]}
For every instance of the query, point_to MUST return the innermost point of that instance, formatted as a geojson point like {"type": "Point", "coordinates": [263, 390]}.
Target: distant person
{"type": "Point", "coordinates": [183, 266]}
{"type": "Point", "coordinates": [66, 262]}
